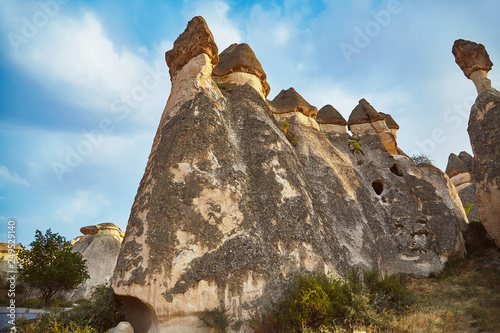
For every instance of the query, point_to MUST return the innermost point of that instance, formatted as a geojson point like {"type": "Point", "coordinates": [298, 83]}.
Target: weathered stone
{"type": "Point", "coordinates": [484, 134]}
{"type": "Point", "coordinates": [195, 40]}
{"type": "Point", "coordinates": [391, 123]}
{"type": "Point", "coordinates": [455, 166]}
{"type": "Point", "coordinates": [100, 248]}
{"type": "Point", "coordinates": [467, 159]}
{"type": "Point", "coordinates": [290, 101]}
{"type": "Point", "coordinates": [229, 211]}
{"type": "Point", "coordinates": [240, 58]}
{"type": "Point", "coordinates": [329, 115]}
{"type": "Point", "coordinates": [5, 257]}
{"type": "Point", "coordinates": [122, 327]}
{"type": "Point", "coordinates": [363, 113]}
{"type": "Point", "coordinates": [471, 57]}
{"type": "Point", "coordinates": [474, 62]}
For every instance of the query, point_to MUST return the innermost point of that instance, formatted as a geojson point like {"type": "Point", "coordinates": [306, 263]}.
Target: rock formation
{"type": "Point", "coordinates": [100, 246]}
{"type": "Point", "coordinates": [228, 211]}
{"type": "Point", "coordinates": [5, 256]}
{"type": "Point", "coordinates": [330, 120]}
{"type": "Point", "coordinates": [460, 172]}
{"type": "Point", "coordinates": [290, 101]}
{"type": "Point", "coordinates": [484, 133]}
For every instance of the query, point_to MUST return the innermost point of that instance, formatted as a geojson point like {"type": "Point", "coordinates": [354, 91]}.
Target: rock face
{"type": "Point", "coordinates": [460, 172]}
{"type": "Point", "coordinates": [228, 211]}
{"type": "Point", "coordinates": [290, 101]}
{"type": "Point", "coordinates": [100, 246]}
{"type": "Point", "coordinates": [484, 133]}
{"type": "Point", "coordinates": [330, 120]}
{"type": "Point", "coordinates": [4, 260]}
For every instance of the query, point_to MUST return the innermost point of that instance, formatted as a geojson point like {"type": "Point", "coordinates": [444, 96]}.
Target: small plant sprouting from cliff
{"type": "Point", "coordinates": [289, 135]}
{"type": "Point", "coordinates": [422, 159]}
{"type": "Point", "coordinates": [355, 145]}
{"type": "Point", "coordinates": [468, 207]}
{"type": "Point", "coordinates": [217, 318]}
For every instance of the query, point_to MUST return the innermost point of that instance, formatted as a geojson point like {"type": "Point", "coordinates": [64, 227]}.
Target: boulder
{"type": "Point", "coordinates": [195, 40]}
{"type": "Point", "coordinates": [455, 166]}
{"type": "Point", "coordinates": [240, 58]}
{"type": "Point", "coordinates": [100, 246]}
{"type": "Point", "coordinates": [290, 101]}
{"type": "Point", "coordinates": [484, 134]}
{"type": "Point", "coordinates": [122, 327]}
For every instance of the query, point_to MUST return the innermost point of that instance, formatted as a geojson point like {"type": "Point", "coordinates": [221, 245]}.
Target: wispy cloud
{"type": "Point", "coordinates": [12, 177]}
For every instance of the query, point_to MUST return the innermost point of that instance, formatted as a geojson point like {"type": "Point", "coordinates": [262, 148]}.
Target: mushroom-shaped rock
{"type": "Point", "coordinates": [195, 40]}
{"type": "Point", "coordinates": [329, 115]}
{"type": "Point", "coordinates": [290, 101]}
{"type": "Point", "coordinates": [467, 159]}
{"type": "Point", "coordinates": [241, 58]}
{"type": "Point", "coordinates": [474, 62]}
{"type": "Point", "coordinates": [364, 113]}
{"type": "Point", "coordinates": [89, 230]}
{"type": "Point", "coordinates": [455, 166]}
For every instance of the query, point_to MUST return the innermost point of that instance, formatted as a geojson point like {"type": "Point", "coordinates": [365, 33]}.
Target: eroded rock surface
{"type": "Point", "coordinates": [228, 211]}
{"type": "Point", "coordinates": [290, 101]}
{"type": "Point", "coordinates": [484, 134]}
{"type": "Point", "coordinates": [100, 246]}
{"type": "Point", "coordinates": [240, 58]}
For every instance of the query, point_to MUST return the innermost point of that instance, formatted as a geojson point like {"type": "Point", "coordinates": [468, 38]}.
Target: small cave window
{"type": "Point", "coordinates": [395, 169]}
{"type": "Point", "coordinates": [378, 186]}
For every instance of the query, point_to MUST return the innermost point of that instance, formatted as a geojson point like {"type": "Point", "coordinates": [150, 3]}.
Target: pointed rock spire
{"type": "Point", "coordinates": [364, 113]}
{"type": "Point", "coordinates": [196, 39]}
{"type": "Point", "coordinates": [290, 101]}
{"type": "Point", "coordinates": [455, 166]}
{"type": "Point", "coordinates": [241, 58]}
{"type": "Point", "coordinates": [467, 159]}
{"type": "Point", "coordinates": [329, 115]}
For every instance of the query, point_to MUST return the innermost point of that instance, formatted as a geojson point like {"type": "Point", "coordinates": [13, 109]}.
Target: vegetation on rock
{"type": "Point", "coordinates": [289, 135]}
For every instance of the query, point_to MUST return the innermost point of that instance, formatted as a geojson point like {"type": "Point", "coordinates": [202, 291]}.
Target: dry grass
{"type": "Point", "coordinates": [465, 297]}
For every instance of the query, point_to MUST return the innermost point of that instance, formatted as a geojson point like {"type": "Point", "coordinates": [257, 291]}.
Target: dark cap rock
{"type": "Point", "coordinates": [241, 58]}
{"type": "Point", "coordinates": [471, 57]}
{"type": "Point", "coordinates": [329, 115]}
{"type": "Point", "coordinates": [455, 166]}
{"type": "Point", "coordinates": [391, 123]}
{"type": "Point", "coordinates": [364, 113]}
{"type": "Point", "coordinates": [467, 159]}
{"type": "Point", "coordinates": [195, 40]}
{"type": "Point", "coordinates": [290, 101]}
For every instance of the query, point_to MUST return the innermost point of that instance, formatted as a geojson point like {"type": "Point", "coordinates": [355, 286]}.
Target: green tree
{"type": "Point", "coordinates": [51, 266]}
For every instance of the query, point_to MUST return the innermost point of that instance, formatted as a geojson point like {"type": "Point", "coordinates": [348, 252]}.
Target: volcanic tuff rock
{"type": "Point", "coordinates": [4, 260]}
{"type": "Point", "coordinates": [474, 62]}
{"type": "Point", "coordinates": [484, 133]}
{"type": "Point", "coordinates": [99, 245]}
{"type": "Point", "coordinates": [195, 40]}
{"type": "Point", "coordinates": [290, 101]}
{"type": "Point", "coordinates": [240, 58]}
{"type": "Point", "coordinates": [228, 211]}
{"type": "Point", "coordinates": [460, 169]}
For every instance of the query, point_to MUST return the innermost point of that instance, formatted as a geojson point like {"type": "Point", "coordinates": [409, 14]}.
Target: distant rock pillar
{"type": "Point", "coordinates": [484, 133]}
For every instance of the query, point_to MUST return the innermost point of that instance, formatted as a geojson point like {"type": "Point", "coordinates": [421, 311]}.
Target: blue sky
{"type": "Point", "coordinates": [84, 84]}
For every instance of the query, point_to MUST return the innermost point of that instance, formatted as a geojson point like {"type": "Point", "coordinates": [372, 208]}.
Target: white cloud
{"type": "Point", "coordinates": [12, 177]}
{"type": "Point", "coordinates": [85, 206]}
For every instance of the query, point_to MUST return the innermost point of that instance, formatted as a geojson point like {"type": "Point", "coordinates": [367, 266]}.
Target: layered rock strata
{"type": "Point", "coordinates": [484, 133]}
{"type": "Point", "coordinates": [99, 246]}
{"type": "Point", "coordinates": [228, 210]}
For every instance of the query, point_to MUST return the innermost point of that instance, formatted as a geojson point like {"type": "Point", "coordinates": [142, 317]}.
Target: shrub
{"type": "Point", "coordinates": [217, 319]}
{"type": "Point", "coordinates": [422, 159]}
{"type": "Point", "coordinates": [97, 314]}
{"type": "Point", "coordinates": [316, 301]}
{"type": "Point", "coordinates": [289, 135]}
{"type": "Point", "coordinates": [355, 145]}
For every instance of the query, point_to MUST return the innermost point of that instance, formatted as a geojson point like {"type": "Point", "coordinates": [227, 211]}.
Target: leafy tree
{"type": "Point", "coordinates": [51, 266]}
